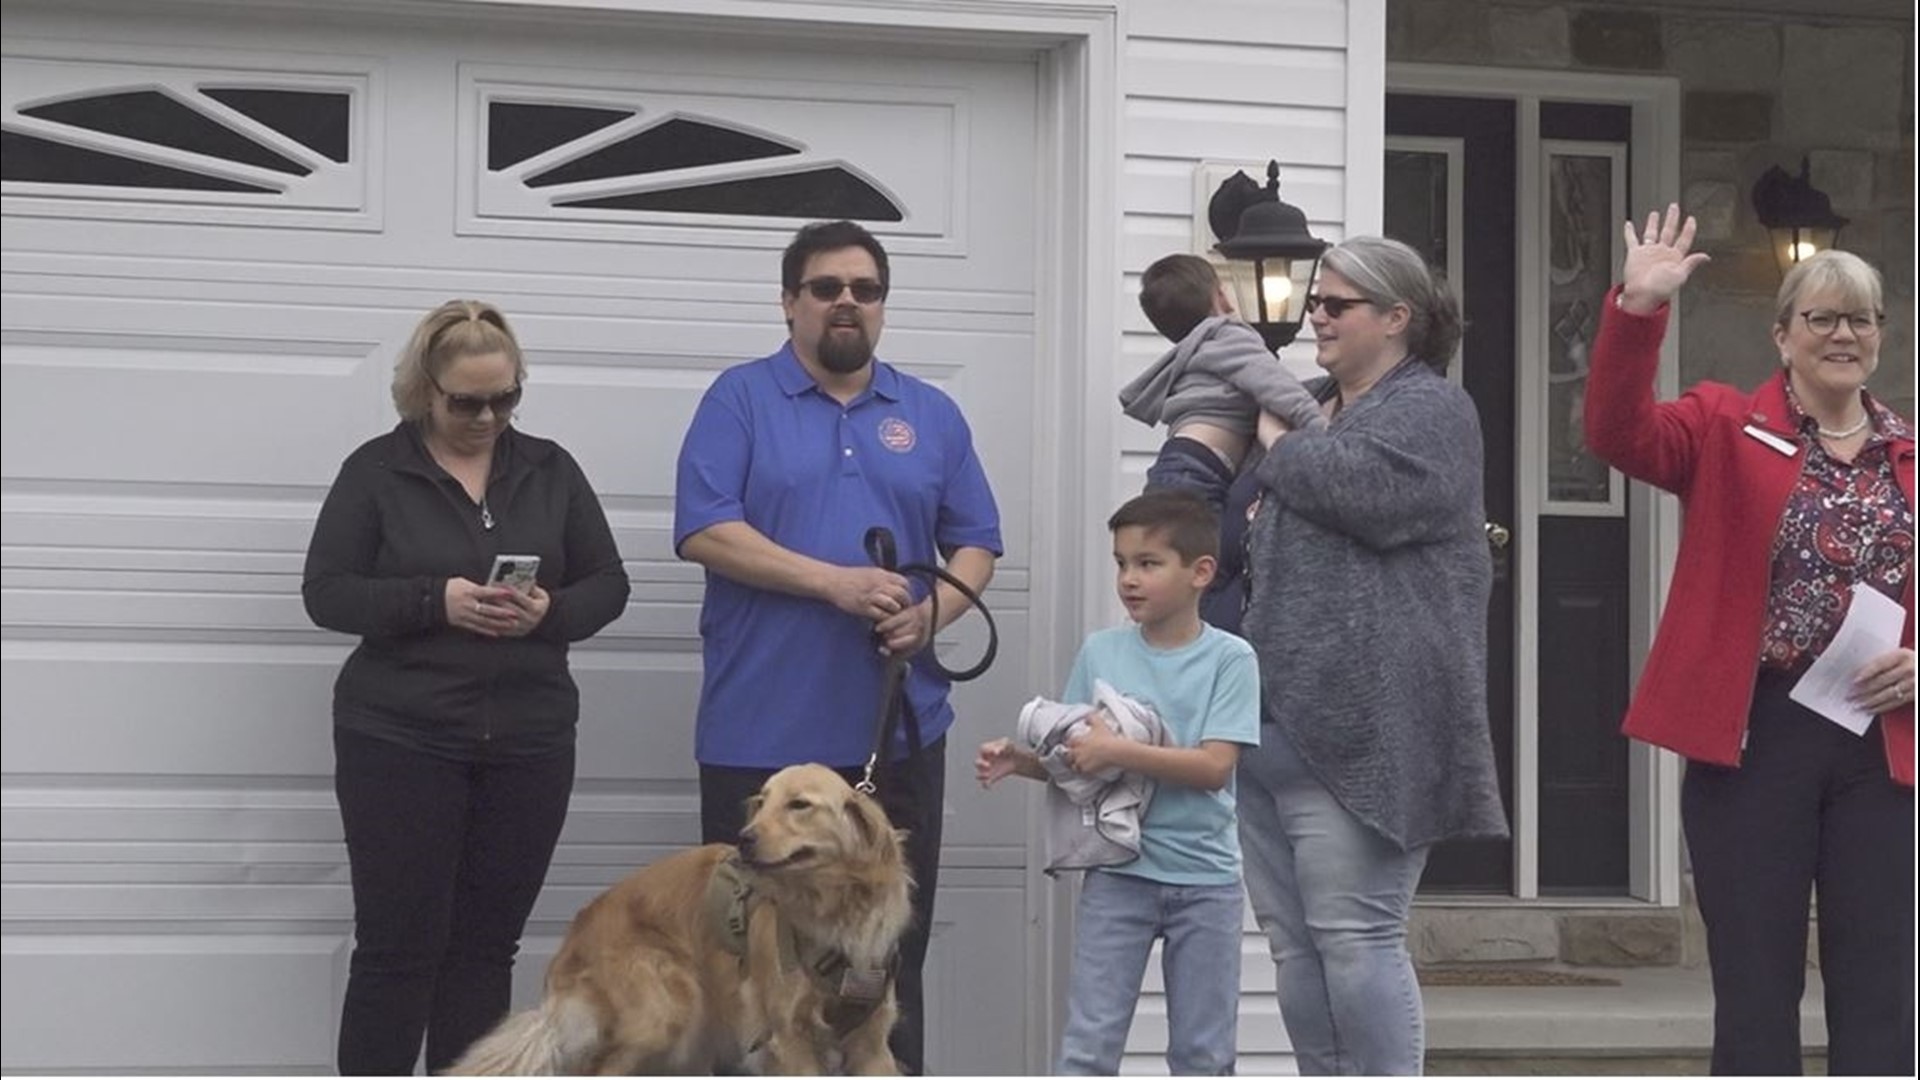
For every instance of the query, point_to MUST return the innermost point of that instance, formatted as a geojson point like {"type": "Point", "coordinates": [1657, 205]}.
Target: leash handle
{"type": "Point", "coordinates": [884, 553]}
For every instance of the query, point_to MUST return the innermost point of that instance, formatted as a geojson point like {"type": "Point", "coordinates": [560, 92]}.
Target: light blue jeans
{"type": "Point", "coordinates": [1119, 919]}
{"type": "Point", "coordinates": [1332, 895]}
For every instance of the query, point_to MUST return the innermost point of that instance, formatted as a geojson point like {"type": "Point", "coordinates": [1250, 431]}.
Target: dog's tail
{"type": "Point", "coordinates": [552, 1040]}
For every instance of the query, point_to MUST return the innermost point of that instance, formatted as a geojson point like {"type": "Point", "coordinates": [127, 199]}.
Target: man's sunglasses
{"type": "Point", "coordinates": [1336, 305]}
{"type": "Point", "coordinates": [470, 406]}
{"type": "Point", "coordinates": [828, 289]}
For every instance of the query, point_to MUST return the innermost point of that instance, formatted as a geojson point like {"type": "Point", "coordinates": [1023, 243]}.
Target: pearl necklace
{"type": "Point", "coordinates": [1847, 434]}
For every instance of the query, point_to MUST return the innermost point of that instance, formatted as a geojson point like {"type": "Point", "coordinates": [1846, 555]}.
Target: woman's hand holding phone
{"type": "Point", "coordinates": [487, 610]}
{"type": "Point", "coordinates": [525, 609]}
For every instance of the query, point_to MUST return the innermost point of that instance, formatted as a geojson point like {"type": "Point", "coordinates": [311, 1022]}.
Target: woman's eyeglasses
{"type": "Point", "coordinates": [1336, 305]}
{"type": "Point", "coordinates": [828, 289]}
{"type": "Point", "coordinates": [470, 406]}
{"type": "Point", "coordinates": [1864, 324]}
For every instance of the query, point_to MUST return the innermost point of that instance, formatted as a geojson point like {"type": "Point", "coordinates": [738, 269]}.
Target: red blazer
{"type": "Point", "coordinates": [1697, 688]}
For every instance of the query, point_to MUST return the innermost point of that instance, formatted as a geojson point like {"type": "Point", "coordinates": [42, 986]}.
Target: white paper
{"type": "Point", "coordinates": [1871, 629]}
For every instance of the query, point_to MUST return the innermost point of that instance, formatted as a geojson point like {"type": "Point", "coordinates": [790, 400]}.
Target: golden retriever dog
{"type": "Point", "coordinates": [777, 956]}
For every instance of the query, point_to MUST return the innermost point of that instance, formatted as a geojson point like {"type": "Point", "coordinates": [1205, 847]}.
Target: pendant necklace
{"type": "Point", "coordinates": [486, 515]}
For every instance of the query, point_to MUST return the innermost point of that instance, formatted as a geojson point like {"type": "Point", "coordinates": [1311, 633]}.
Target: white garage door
{"type": "Point", "coordinates": [219, 229]}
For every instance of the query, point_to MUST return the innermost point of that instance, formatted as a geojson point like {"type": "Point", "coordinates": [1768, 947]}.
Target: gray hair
{"type": "Point", "coordinates": [1388, 272]}
{"type": "Point", "coordinates": [455, 329]}
{"type": "Point", "coordinates": [1833, 270]}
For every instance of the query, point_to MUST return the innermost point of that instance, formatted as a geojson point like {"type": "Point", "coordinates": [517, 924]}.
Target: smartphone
{"type": "Point", "coordinates": [514, 571]}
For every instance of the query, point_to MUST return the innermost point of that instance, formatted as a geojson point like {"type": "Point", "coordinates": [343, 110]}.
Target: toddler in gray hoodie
{"type": "Point", "coordinates": [1210, 388]}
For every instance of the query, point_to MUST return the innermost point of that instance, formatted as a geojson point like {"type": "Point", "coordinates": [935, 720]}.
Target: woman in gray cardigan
{"type": "Point", "coordinates": [1370, 578]}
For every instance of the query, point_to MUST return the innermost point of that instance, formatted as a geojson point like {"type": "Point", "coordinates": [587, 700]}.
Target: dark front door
{"type": "Point", "coordinates": [1451, 189]}
{"type": "Point", "coordinates": [1450, 194]}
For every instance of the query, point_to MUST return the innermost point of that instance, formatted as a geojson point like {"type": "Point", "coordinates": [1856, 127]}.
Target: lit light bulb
{"type": "Point", "coordinates": [1279, 289]}
{"type": "Point", "coordinates": [1803, 251]}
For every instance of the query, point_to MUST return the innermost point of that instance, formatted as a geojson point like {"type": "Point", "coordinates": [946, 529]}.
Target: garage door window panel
{"type": "Point", "coordinates": [101, 133]}
{"type": "Point", "coordinates": [738, 161]}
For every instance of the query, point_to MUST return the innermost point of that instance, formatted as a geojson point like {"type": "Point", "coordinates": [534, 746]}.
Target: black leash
{"type": "Point", "coordinates": [893, 700]}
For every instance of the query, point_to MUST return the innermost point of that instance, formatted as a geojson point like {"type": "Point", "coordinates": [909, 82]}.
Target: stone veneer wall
{"type": "Point", "coordinates": [1758, 90]}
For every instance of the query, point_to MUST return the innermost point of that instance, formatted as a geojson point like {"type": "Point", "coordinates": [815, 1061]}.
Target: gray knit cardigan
{"type": "Point", "coordinates": [1368, 608]}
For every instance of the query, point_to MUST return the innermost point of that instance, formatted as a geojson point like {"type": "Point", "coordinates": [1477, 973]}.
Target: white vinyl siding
{"type": "Point", "coordinates": [1241, 82]}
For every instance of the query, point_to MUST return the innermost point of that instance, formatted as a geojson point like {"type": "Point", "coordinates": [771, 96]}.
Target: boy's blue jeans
{"type": "Point", "coordinates": [1119, 919]}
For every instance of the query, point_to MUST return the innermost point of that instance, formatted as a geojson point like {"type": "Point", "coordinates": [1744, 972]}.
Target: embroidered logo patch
{"type": "Point", "coordinates": [897, 435]}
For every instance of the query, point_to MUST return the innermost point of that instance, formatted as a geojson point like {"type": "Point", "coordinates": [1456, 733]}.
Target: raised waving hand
{"type": "Point", "coordinates": [1659, 260]}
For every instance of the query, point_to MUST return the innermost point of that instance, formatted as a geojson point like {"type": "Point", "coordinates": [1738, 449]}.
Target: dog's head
{"type": "Point", "coordinates": [808, 816]}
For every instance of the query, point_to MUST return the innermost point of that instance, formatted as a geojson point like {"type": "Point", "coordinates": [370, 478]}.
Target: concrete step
{"type": "Point", "coordinates": [1656, 1021]}
{"type": "Point", "coordinates": [1653, 1022]}
{"type": "Point", "coordinates": [1591, 935]}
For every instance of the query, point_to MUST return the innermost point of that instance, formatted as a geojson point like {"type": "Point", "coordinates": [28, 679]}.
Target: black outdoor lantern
{"type": "Point", "coordinates": [1799, 216]}
{"type": "Point", "coordinates": [1271, 257]}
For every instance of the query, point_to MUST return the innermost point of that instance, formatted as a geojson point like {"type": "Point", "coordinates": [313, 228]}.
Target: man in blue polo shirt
{"type": "Point", "coordinates": [790, 459]}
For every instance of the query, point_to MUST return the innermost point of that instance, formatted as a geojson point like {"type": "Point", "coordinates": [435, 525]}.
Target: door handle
{"type": "Point", "coordinates": [1498, 536]}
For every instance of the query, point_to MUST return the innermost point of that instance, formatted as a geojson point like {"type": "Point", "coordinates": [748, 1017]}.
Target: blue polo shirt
{"type": "Point", "coordinates": [788, 679]}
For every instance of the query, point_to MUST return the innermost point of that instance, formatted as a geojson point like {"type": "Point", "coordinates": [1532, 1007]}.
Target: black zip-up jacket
{"type": "Point", "coordinates": [394, 528]}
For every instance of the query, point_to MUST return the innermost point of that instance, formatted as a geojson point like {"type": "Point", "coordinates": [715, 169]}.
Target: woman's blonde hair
{"type": "Point", "coordinates": [1842, 272]}
{"type": "Point", "coordinates": [455, 329]}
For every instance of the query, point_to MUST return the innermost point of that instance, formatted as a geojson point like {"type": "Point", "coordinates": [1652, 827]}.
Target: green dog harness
{"type": "Point", "coordinates": [852, 994]}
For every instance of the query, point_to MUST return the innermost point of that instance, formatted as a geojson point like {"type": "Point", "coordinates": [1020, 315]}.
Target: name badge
{"type": "Point", "coordinates": [1772, 440]}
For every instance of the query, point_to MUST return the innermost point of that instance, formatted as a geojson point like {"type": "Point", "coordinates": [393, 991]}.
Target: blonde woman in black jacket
{"type": "Point", "coordinates": [454, 718]}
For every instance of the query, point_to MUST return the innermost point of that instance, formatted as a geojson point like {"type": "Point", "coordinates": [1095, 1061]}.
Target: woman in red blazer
{"type": "Point", "coordinates": [1794, 494]}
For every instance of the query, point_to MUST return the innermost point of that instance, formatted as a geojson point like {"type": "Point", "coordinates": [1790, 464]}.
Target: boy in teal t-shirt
{"type": "Point", "coordinates": [1185, 886]}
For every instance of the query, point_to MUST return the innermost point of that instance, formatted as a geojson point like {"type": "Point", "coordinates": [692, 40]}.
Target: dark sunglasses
{"type": "Point", "coordinates": [1336, 305]}
{"type": "Point", "coordinates": [828, 289]}
{"type": "Point", "coordinates": [469, 406]}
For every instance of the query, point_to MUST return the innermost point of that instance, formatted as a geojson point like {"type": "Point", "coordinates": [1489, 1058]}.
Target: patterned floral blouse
{"type": "Point", "coordinates": [1844, 523]}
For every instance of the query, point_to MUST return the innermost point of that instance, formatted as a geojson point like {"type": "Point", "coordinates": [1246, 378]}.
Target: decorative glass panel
{"type": "Point", "coordinates": [516, 132]}
{"type": "Point", "coordinates": [320, 121]}
{"type": "Point", "coordinates": [1586, 193]}
{"type": "Point", "coordinates": [816, 193]}
{"type": "Point", "coordinates": [31, 158]}
{"type": "Point", "coordinates": [1416, 198]}
{"type": "Point", "coordinates": [676, 144]}
{"type": "Point", "coordinates": [1424, 206]}
{"type": "Point", "coordinates": [153, 117]}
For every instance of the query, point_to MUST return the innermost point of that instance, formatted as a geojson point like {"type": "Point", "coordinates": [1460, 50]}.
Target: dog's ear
{"type": "Point", "coordinates": [870, 822]}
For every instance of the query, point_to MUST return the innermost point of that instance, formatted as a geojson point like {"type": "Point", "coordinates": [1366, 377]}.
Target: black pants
{"type": "Point", "coordinates": [913, 792]}
{"type": "Point", "coordinates": [447, 860]}
{"type": "Point", "coordinates": [1810, 808]}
